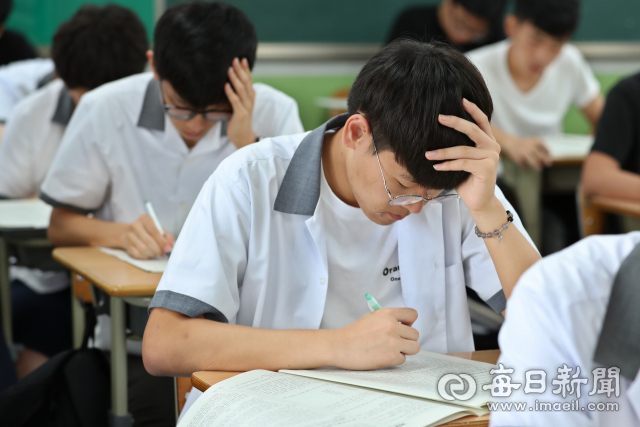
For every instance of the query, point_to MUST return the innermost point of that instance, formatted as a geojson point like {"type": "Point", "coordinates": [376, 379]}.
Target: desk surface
{"type": "Point", "coordinates": [205, 379]}
{"type": "Point", "coordinates": [618, 206]}
{"type": "Point", "coordinates": [115, 277]}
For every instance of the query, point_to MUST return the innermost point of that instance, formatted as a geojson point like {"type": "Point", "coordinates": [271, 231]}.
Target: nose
{"type": "Point", "coordinates": [416, 207]}
{"type": "Point", "coordinates": [196, 124]}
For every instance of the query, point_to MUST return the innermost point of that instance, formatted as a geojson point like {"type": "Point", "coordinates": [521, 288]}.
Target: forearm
{"type": "Point", "coordinates": [602, 176]}
{"type": "Point", "coordinates": [513, 254]}
{"type": "Point", "coordinates": [177, 345]}
{"type": "Point", "coordinates": [68, 228]}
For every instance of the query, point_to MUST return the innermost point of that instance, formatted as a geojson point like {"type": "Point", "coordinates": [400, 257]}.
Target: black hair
{"type": "Point", "coordinates": [194, 45]}
{"type": "Point", "coordinates": [5, 10]}
{"type": "Point", "coordinates": [402, 90]}
{"type": "Point", "coordinates": [558, 18]}
{"type": "Point", "coordinates": [491, 10]}
{"type": "Point", "coordinates": [98, 45]}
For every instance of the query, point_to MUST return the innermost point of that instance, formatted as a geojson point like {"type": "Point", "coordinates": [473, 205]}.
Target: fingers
{"type": "Point", "coordinates": [406, 316]}
{"type": "Point", "coordinates": [170, 238]}
{"type": "Point", "coordinates": [240, 77]}
{"type": "Point", "coordinates": [408, 333]}
{"type": "Point", "coordinates": [152, 231]}
{"type": "Point", "coordinates": [478, 116]}
{"type": "Point", "coordinates": [137, 249]}
{"type": "Point", "coordinates": [410, 347]}
{"type": "Point", "coordinates": [460, 152]}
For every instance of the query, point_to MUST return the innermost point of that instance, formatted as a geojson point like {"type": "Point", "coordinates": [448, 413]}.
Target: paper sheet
{"type": "Point", "coordinates": [156, 265]}
{"type": "Point", "coordinates": [270, 399]}
{"type": "Point", "coordinates": [24, 213]}
{"type": "Point", "coordinates": [418, 376]}
{"type": "Point", "coordinates": [567, 145]}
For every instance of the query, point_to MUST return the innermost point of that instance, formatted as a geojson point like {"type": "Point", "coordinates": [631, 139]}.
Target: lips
{"type": "Point", "coordinates": [397, 217]}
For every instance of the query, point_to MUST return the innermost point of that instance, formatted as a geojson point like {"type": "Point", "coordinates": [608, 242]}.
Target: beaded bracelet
{"type": "Point", "coordinates": [497, 232]}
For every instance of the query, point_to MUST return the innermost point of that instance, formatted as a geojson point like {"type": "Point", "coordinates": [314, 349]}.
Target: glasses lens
{"type": "Point", "coordinates": [445, 197]}
{"type": "Point", "coordinates": [180, 114]}
{"type": "Point", "coordinates": [405, 200]}
{"type": "Point", "coordinates": [214, 116]}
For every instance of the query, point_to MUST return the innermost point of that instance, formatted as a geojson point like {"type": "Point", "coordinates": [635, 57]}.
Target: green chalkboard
{"type": "Point", "coordinates": [369, 21]}
{"type": "Point", "coordinates": [39, 19]}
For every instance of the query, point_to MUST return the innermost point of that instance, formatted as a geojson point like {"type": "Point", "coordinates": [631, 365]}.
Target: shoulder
{"type": "Point", "coordinates": [489, 56]}
{"type": "Point", "coordinates": [570, 58]}
{"type": "Point", "coordinates": [627, 88]}
{"type": "Point", "coordinates": [580, 273]}
{"type": "Point", "coordinates": [270, 96]}
{"type": "Point", "coordinates": [127, 92]}
{"type": "Point", "coordinates": [255, 169]}
{"type": "Point", "coordinates": [41, 103]}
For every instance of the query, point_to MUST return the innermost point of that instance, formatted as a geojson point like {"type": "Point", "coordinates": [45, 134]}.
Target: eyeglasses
{"type": "Point", "coordinates": [412, 199]}
{"type": "Point", "coordinates": [182, 113]}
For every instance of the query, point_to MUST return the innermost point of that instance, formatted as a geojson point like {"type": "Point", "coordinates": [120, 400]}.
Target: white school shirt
{"type": "Point", "coordinates": [28, 146]}
{"type": "Point", "coordinates": [566, 81]}
{"type": "Point", "coordinates": [254, 249]}
{"type": "Point", "coordinates": [119, 150]}
{"type": "Point", "coordinates": [554, 317]}
{"type": "Point", "coordinates": [19, 79]}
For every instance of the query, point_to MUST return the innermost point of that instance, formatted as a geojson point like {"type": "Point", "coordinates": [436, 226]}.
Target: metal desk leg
{"type": "Point", "coordinates": [5, 292]}
{"type": "Point", "coordinates": [77, 317]}
{"type": "Point", "coordinates": [120, 416]}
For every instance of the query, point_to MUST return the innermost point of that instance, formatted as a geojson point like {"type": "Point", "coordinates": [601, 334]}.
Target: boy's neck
{"type": "Point", "coordinates": [524, 81]}
{"type": "Point", "coordinates": [334, 166]}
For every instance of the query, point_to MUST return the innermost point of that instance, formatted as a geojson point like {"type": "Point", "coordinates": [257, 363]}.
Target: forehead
{"type": "Point", "coordinates": [529, 28]}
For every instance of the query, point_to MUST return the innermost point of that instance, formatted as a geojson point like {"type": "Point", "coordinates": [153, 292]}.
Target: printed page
{"type": "Point", "coordinates": [156, 265]}
{"type": "Point", "coordinates": [270, 399]}
{"type": "Point", "coordinates": [567, 145]}
{"type": "Point", "coordinates": [27, 213]}
{"type": "Point", "coordinates": [418, 376]}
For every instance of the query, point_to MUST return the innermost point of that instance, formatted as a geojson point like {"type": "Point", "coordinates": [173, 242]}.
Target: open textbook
{"type": "Point", "coordinates": [27, 213]}
{"type": "Point", "coordinates": [405, 395]}
{"type": "Point", "coordinates": [156, 265]}
{"type": "Point", "coordinates": [569, 146]}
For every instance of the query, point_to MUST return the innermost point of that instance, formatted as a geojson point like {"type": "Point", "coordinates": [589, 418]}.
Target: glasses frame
{"type": "Point", "coordinates": [416, 197]}
{"type": "Point", "coordinates": [192, 112]}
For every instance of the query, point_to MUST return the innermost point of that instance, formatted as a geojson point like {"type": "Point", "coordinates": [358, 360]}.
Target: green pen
{"type": "Point", "coordinates": [372, 303]}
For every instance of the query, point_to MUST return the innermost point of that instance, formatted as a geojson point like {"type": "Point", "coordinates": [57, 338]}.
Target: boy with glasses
{"type": "Point", "coordinates": [288, 235]}
{"type": "Point", "coordinates": [158, 137]}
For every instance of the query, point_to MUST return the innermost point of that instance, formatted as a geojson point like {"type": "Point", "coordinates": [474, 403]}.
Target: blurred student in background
{"type": "Point", "coordinates": [612, 168]}
{"type": "Point", "coordinates": [465, 24]}
{"type": "Point", "coordinates": [13, 46]}
{"type": "Point", "coordinates": [97, 45]}
{"type": "Point", "coordinates": [535, 76]}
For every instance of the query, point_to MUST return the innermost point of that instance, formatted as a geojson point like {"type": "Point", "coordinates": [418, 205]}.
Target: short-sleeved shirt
{"type": "Point", "coordinates": [119, 150]}
{"type": "Point", "coordinates": [29, 144]}
{"type": "Point", "coordinates": [254, 249]}
{"type": "Point", "coordinates": [567, 80]}
{"type": "Point", "coordinates": [618, 132]}
{"type": "Point", "coordinates": [555, 316]}
{"type": "Point", "coordinates": [19, 79]}
{"type": "Point", "coordinates": [422, 24]}
{"type": "Point", "coordinates": [15, 47]}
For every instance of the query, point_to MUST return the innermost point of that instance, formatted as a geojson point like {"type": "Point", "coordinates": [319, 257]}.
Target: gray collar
{"type": "Point", "coordinates": [300, 189]}
{"type": "Point", "coordinates": [64, 108]}
{"type": "Point", "coordinates": [151, 114]}
{"type": "Point", "coordinates": [619, 341]}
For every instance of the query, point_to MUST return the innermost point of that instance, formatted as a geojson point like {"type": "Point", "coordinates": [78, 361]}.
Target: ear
{"type": "Point", "coordinates": [152, 64]}
{"type": "Point", "coordinates": [511, 24]}
{"type": "Point", "coordinates": [356, 131]}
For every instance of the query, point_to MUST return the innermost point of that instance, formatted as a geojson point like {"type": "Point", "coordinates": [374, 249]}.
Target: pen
{"type": "Point", "coordinates": [152, 213]}
{"type": "Point", "coordinates": [372, 303]}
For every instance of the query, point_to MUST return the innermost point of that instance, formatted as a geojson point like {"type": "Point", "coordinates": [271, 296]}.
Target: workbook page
{"type": "Point", "coordinates": [418, 376]}
{"type": "Point", "coordinates": [270, 399]}
{"type": "Point", "coordinates": [156, 265]}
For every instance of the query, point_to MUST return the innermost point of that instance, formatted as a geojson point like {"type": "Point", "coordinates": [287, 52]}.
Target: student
{"type": "Point", "coordinates": [465, 24]}
{"type": "Point", "coordinates": [304, 225]}
{"type": "Point", "coordinates": [612, 169]}
{"type": "Point", "coordinates": [158, 137]}
{"type": "Point", "coordinates": [95, 46]}
{"type": "Point", "coordinates": [576, 308]}
{"type": "Point", "coordinates": [13, 45]}
{"type": "Point", "coordinates": [535, 76]}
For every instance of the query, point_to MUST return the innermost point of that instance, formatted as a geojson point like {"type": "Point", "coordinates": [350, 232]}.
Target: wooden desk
{"type": "Point", "coordinates": [205, 379]}
{"type": "Point", "coordinates": [594, 210]}
{"type": "Point", "coordinates": [125, 284]}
